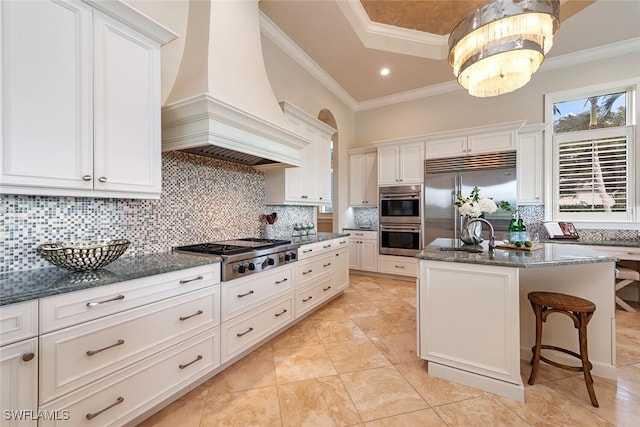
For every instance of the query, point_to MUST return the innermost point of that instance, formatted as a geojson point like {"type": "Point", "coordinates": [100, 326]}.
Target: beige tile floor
{"type": "Point", "coordinates": [354, 363]}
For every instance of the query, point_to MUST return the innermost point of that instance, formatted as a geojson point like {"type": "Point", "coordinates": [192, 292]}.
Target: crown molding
{"type": "Point", "coordinates": [375, 35]}
{"type": "Point", "coordinates": [623, 47]}
{"type": "Point", "coordinates": [280, 39]}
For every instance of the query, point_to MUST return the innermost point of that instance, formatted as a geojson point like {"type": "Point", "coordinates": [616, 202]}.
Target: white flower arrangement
{"type": "Point", "coordinates": [473, 206]}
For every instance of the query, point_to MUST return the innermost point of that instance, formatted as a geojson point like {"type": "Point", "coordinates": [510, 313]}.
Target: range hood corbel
{"type": "Point", "coordinates": [225, 105]}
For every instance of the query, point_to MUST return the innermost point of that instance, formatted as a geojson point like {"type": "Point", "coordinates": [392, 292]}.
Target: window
{"type": "Point", "coordinates": [592, 156]}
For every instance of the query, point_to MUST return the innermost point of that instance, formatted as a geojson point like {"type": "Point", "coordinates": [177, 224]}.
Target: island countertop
{"type": "Point", "coordinates": [551, 254]}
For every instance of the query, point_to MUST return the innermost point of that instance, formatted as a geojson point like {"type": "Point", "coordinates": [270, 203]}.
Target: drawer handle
{"type": "Point", "coordinates": [190, 363]}
{"type": "Point", "coordinates": [326, 265]}
{"type": "Point", "coordinates": [92, 352]}
{"type": "Point", "coordinates": [281, 313]}
{"type": "Point", "coordinates": [197, 313]}
{"type": "Point", "coordinates": [304, 251]}
{"type": "Point", "coordinates": [326, 246]}
{"type": "Point", "coordinates": [245, 332]}
{"type": "Point", "coordinates": [306, 272]}
{"type": "Point", "coordinates": [244, 295]}
{"type": "Point", "coordinates": [307, 299]}
{"type": "Point", "coordinates": [281, 281]}
{"type": "Point", "coordinates": [95, 303]}
{"type": "Point", "coordinates": [182, 282]}
{"type": "Point", "coordinates": [327, 288]}
{"type": "Point", "coordinates": [342, 243]}
{"type": "Point", "coordinates": [95, 414]}
{"type": "Point", "coordinates": [28, 357]}
{"type": "Point", "coordinates": [399, 266]}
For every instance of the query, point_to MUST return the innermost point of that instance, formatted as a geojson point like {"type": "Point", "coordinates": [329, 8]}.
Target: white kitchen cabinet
{"type": "Point", "coordinates": [530, 165]}
{"type": "Point", "coordinates": [19, 363]}
{"type": "Point", "coordinates": [80, 100]}
{"type": "Point", "coordinates": [401, 163]}
{"type": "Point", "coordinates": [310, 183]}
{"type": "Point", "coordinates": [143, 340]}
{"type": "Point", "coordinates": [398, 265]}
{"type": "Point", "coordinates": [463, 142]}
{"type": "Point", "coordinates": [363, 250]}
{"type": "Point", "coordinates": [19, 385]}
{"type": "Point", "coordinates": [341, 257]}
{"type": "Point", "coordinates": [363, 178]}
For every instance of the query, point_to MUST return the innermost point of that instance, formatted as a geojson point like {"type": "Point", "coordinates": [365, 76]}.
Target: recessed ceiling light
{"type": "Point", "coordinates": [384, 72]}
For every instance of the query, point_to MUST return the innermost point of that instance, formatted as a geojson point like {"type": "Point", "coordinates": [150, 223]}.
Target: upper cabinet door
{"type": "Point", "coordinates": [388, 173]}
{"type": "Point", "coordinates": [126, 108]}
{"type": "Point", "coordinates": [46, 94]}
{"type": "Point", "coordinates": [412, 163]}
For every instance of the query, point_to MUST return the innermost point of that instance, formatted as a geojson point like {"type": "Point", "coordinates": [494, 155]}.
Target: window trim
{"type": "Point", "coordinates": [631, 86]}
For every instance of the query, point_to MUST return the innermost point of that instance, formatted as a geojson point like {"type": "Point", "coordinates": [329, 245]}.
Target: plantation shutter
{"type": "Point", "coordinates": [593, 170]}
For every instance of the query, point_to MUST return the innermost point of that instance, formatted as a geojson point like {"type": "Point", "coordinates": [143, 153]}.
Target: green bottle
{"type": "Point", "coordinates": [513, 229]}
{"type": "Point", "coordinates": [522, 230]}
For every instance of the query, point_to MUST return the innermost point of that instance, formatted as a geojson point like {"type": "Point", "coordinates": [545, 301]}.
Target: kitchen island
{"type": "Point", "coordinates": [475, 322]}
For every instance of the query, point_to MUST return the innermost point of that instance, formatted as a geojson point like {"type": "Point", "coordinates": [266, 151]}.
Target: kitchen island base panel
{"type": "Point", "coordinates": [501, 388]}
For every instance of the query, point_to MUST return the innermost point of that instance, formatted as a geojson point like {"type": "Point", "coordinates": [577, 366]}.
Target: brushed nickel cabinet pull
{"type": "Point", "coordinates": [245, 332]}
{"type": "Point", "coordinates": [304, 251]}
{"type": "Point", "coordinates": [192, 362]}
{"type": "Point", "coordinates": [326, 246]}
{"type": "Point", "coordinates": [399, 266]}
{"type": "Point", "coordinates": [92, 352]}
{"type": "Point", "coordinates": [182, 282]}
{"type": "Point", "coordinates": [197, 313]}
{"type": "Point", "coordinates": [281, 281]}
{"type": "Point", "coordinates": [27, 357]}
{"type": "Point", "coordinates": [342, 243]}
{"type": "Point", "coordinates": [307, 272]}
{"type": "Point", "coordinates": [326, 265]}
{"type": "Point", "coordinates": [327, 288]}
{"type": "Point", "coordinates": [95, 414]}
{"type": "Point", "coordinates": [281, 313]}
{"type": "Point", "coordinates": [87, 178]}
{"type": "Point", "coordinates": [307, 299]}
{"type": "Point", "coordinates": [244, 295]}
{"type": "Point", "coordinates": [95, 303]}
{"type": "Point", "coordinates": [102, 179]}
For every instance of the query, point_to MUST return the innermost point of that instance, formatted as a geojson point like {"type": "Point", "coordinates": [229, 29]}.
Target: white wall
{"type": "Point", "coordinates": [458, 110]}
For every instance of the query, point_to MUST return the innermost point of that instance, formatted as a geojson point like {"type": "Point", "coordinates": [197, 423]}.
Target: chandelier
{"type": "Point", "coordinates": [497, 48]}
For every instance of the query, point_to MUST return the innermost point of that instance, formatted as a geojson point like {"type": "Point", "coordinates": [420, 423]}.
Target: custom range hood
{"type": "Point", "coordinates": [222, 104]}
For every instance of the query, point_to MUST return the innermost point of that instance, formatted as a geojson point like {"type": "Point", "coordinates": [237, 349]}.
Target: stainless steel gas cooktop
{"type": "Point", "coordinates": [242, 257]}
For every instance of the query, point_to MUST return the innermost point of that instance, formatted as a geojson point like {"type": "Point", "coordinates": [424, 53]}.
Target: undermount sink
{"type": "Point", "coordinates": [470, 248]}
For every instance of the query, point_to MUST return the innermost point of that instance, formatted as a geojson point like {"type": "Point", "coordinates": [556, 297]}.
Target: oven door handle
{"type": "Point", "coordinates": [399, 196]}
{"type": "Point", "coordinates": [399, 228]}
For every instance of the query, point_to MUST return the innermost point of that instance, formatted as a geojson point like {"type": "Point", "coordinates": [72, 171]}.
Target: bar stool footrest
{"type": "Point", "coordinates": [562, 365]}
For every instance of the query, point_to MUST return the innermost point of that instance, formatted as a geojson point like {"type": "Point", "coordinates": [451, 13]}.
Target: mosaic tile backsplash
{"type": "Point", "coordinates": [202, 200]}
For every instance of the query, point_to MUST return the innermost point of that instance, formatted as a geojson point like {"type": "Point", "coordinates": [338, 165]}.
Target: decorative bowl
{"type": "Point", "coordinates": [83, 255]}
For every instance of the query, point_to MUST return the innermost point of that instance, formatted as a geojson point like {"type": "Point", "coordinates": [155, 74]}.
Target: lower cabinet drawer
{"type": "Point", "coordinates": [118, 398]}
{"type": "Point", "coordinates": [314, 267]}
{"type": "Point", "coordinates": [18, 321]}
{"type": "Point", "coordinates": [76, 356]}
{"type": "Point", "coordinates": [244, 331]}
{"type": "Point", "coordinates": [309, 297]}
{"type": "Point", "coordinates": [403, 266]}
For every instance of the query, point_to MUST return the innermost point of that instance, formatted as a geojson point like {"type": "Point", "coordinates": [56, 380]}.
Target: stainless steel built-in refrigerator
{"type": "Point", "coordinates": [494, 174]}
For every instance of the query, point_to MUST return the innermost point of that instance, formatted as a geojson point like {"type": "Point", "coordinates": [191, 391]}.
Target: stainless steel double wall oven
{"type": "Point", "coordinates": [400, 220]}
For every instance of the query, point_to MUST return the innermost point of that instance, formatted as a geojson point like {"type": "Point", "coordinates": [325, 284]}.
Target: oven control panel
{"type": "Point", "coordinates": [236, 269]}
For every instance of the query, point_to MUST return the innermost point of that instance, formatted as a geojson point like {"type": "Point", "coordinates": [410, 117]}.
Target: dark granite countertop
{"type": "Point", "coordinates": [27, 285]}
{"type": "Point", "coordinates": [319, 237]}
{"type": "Point", "coordinates": [551, 254]}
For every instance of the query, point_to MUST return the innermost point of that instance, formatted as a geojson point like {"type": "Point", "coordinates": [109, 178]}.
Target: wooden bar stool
{"type": "Point", "coordinates": [624, 277]}
{"type": "Point", "coordinates": [580, 311]}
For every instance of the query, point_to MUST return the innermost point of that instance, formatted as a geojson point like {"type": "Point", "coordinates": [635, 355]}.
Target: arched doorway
{"type": "Point", "coordinates": [326, 214]}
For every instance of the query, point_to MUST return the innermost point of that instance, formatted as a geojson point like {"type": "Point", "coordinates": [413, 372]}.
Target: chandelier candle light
{"type": "Point", "coordinates": [497, 48]}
